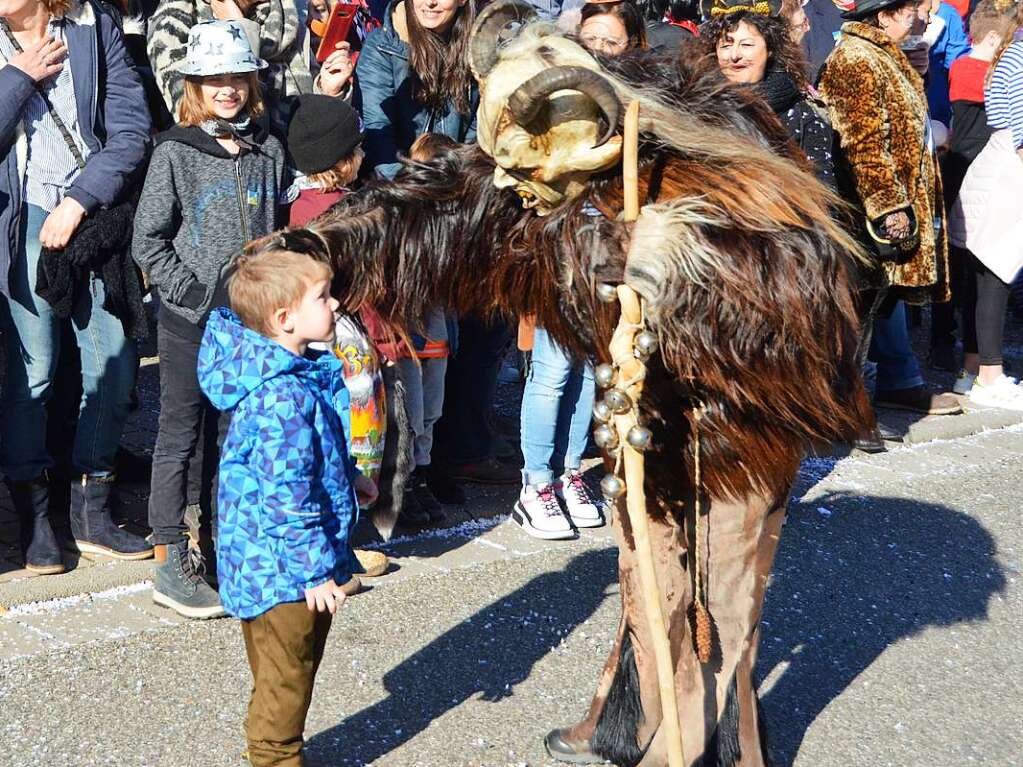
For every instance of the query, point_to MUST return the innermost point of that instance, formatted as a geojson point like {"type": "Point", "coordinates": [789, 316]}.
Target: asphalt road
{"type": "Point", "coordinates": [892, 637]}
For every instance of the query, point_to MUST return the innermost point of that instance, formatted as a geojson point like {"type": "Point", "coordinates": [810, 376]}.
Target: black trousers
{"type": "Point", "coordinates": [186, 419]}
{"type": "Point", "coordinates": [463, 434]}
{"type": "Point", "coordinates": [985, 299]}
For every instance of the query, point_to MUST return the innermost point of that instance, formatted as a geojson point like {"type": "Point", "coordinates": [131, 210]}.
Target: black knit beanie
{"type": "Point", "coordinates": [323, 131]}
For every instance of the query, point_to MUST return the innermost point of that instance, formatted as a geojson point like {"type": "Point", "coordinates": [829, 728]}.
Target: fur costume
{"type": "Point", "coordinates": [879, 109]}
{"type": "Point", "coordinates": [746, 282]}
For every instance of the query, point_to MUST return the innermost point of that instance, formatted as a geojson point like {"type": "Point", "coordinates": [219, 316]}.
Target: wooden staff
{"type": "Point", "coordinates": [633, 369]}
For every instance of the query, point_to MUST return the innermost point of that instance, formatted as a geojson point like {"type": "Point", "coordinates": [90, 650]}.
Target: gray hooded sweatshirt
{"type": "Point", "coordinates": [199, 206]}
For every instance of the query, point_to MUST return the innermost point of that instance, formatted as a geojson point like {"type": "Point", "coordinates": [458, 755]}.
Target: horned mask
{"type": "Point", "coordinates": [547, 116]}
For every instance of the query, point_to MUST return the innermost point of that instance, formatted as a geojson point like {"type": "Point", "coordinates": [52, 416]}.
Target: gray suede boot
{"type": "Point", "coordinates": [178, 582]}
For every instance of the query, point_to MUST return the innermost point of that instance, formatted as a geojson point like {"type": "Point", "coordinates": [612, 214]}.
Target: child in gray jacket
{"type": "Point", "coordinates": [213, 184]}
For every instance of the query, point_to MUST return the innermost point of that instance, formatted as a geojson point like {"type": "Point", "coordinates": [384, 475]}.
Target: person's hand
{"type": "Point", "coordinates": [365, 490]}
{"type": "Point", "coordinates": [326, 597]}
{"type": "Point", "coordinates": [42, 59]}
{"type": "Point", "coordinates": [61, 224]}
{"type": "Point", "coordinates": [897, 225]}
{"type": "Point", "coordinates": [226, 10]}
{"type": "Point", "coordinates": [336, 70]}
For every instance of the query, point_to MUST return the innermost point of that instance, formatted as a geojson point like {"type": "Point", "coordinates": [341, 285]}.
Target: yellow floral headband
{"type": "Point", "coordinates": [762, 8]}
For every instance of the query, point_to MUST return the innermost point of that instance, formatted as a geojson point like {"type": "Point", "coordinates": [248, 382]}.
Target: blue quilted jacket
{"type": "Point", "coordinates": [286, 498]}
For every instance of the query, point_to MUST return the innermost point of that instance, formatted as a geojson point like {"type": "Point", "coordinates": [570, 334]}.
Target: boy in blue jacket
{"type": "Point", "coordinates": [287, 485]}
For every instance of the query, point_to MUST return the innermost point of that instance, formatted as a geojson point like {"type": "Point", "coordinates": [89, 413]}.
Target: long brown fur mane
{"type": "Point", "coordinates": [745, 274]}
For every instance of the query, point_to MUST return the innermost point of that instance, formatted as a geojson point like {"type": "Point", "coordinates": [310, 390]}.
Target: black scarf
{"type": "Point", "coordinates": [779, 90]}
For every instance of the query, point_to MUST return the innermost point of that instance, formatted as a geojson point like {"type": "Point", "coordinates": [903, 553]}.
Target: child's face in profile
{"type": "Point", "coordinates": [313, 316]}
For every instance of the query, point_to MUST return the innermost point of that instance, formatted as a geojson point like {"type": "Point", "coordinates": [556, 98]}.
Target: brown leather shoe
{"type": "Point", "coordinates": [563, 748]}
{"type": "Point", "coordinates": [918, 399]}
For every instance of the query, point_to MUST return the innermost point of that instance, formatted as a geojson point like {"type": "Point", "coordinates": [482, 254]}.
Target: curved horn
{"type": "Point", "coordinates": [530, 97]}
{"type": "Point", "coordinates": [486, 32]}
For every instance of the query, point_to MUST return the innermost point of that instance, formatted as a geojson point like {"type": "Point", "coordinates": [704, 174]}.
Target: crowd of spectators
{"type": "Point", "coordinates": [175, 132]}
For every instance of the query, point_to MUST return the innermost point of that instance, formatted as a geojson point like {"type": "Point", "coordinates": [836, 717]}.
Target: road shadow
{"type": "Point", "coordinates": [853, 575]}
{"type": "Point", "coordinates": [496, 649]}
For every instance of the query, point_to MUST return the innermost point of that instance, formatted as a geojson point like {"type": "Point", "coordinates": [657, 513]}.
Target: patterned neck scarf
{"type": "Point", "coordinates": [240, 129]}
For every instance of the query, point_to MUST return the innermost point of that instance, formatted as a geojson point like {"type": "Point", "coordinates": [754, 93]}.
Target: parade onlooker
{"type": "Point", "coordinates": [69, 149]}
{"type": "Point", "coordinates": [758, 50]}
{"type": "Point", "coordinates": [878, 108]}
{"type": "Point", "coordinates": [414, 78]}
{"type": "Point", "coordinates": [325, 144]}
{"type": "Point", "coordinates": [270, 26]}
{"type": "Point", "coordinates": [611, 28]}
{"type": "Point", "coordinates": [824, 20]}
{"type": "Point", "coordinates": [948, 41]}
{"type": "Point", "coordinates": [423, 375]}
{"type": "Point", "coordinates": [794, 13]}
{"type": "Point", "coordinates": [970, 133]}
{"type": "Point", "coordinates": [214, 183]}
{"type": "Point", "coordinates": [287, 483]}
{"type": "Point", "coordinates": [557, 404]}
{"type": "Point", "coordinates": [986, 222]}
{"type": "Point", "coordinates": [669, 23]}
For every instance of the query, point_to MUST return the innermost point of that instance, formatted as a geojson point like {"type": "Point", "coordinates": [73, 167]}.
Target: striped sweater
{"type": "Point", "coordinates": [1003, 97]}
{"type": "Point", "coordinates": [273, 29]}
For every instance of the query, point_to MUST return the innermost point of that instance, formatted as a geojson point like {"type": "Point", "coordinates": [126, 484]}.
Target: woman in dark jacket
{"type": "Point", "coordinates": [413, 77]}
{"type": "Point", "coordinates": [757, 50]}
{"type": "Point", "coordinates": [45, 196]}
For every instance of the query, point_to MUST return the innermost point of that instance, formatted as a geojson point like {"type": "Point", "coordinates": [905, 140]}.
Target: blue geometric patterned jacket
{"type": "Point", "coordinates": [286, 498]}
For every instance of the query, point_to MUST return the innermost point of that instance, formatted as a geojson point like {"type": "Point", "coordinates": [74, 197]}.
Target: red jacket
{"type": "Point", "coordinates": [310, 204]}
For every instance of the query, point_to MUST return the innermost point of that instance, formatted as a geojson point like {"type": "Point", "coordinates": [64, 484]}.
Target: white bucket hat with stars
{"type": "Point", "coordinates": [219, 48]}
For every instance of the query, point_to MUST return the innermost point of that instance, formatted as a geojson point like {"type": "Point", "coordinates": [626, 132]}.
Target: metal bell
{"type": "Point", "coordinates": [639, 437]}
{"type": "Point", "coordinates": [606, 437]}
{"type": "Point", "coordinates": [645, 344]}
{"type": "Point", "coordinates": [607, 293]}
{"type": "Point", "coordinates": [602, 411]}
{"type": "Point", "coordinates": [604, 375]}
{"type": "Point", "coordinates": [612, 487]}
{"type": "Point", "coordinates": [618, 401]}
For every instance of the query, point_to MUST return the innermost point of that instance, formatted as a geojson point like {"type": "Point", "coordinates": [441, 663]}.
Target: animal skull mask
{"type": "Point", "coordinates": [542, 99]}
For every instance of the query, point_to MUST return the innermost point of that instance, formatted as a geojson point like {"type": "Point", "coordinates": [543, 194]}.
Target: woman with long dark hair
{"type": "Point", "coordinates": [413, 76]}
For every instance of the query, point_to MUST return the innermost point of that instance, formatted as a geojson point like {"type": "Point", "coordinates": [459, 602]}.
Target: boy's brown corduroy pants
{"type": "Point", "coordinates": [284, 645]}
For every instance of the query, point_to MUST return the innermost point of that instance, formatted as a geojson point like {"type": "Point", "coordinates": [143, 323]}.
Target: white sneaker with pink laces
{"type": "Point", "coordinates": [539, 513]}
{"type": "Point", "coordinates": [583, 508]}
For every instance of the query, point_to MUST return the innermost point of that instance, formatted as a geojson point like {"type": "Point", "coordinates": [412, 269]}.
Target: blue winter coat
{"type": "Point", "coordinates": [950, 45]}
{"type": "Point", "coordinates": [392, 118]}
{"type": "Point", "coordinates": [112, 117]}
{"type": "Point", "coordinates": [286, 497]}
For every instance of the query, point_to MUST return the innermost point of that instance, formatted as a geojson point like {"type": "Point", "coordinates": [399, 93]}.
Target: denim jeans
{"type": "Point", "coordinates": [32, 339]}
{"type": "Point", "coordinates": [557, 405]}
{"type": "Point", "coordinates": [897, 367]}
{"type": "Point", "coordinates": [424, 390]}
{"type": "Point", "coordinates": [185, 414]}
{"type": "Point", "coordinates": [463, 434]}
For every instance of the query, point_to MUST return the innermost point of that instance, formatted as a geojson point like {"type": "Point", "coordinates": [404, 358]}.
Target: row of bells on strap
{"type": "Point", "coordinates": [617, 402]}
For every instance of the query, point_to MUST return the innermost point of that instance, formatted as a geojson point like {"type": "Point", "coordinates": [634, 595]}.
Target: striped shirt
{"type": "Point", "coordinates": [1003, 98]}
{"type": "Point", "coordinates": [51, 167]}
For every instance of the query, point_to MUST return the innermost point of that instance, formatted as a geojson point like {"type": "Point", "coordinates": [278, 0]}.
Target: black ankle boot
{"type": "Point", "coordinates": [427, 501]}
{"type": "Point", "coordinates": [39, 545]}
{"type": "Point", "coordinates": [93, 529]}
